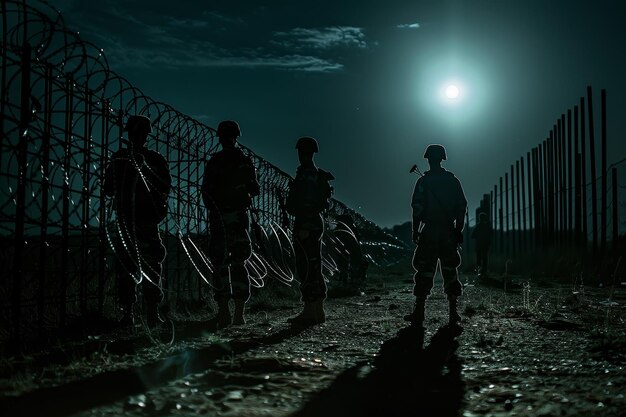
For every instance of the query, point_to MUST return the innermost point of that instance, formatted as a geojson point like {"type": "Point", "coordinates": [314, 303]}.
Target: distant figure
{"type": "Point", "coordinates": [351, 263]}
{"type": "Point", "coordinates": [139, 181]}
{"type": "Point", "coordinates": [439, 207]}
{"type": "Point", "coordinates": [482, 234]}
{"type": "Point", "coordinates": [309, 195]}
{"type": "Point", "coordinates": [229, 185]}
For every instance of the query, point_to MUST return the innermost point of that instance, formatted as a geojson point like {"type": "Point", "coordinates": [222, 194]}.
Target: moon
{"type": "Point", "coordinates": [452, 91]}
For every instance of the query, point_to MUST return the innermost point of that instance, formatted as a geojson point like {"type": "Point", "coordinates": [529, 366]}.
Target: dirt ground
{"type": "Point", "coordinates": [532, 350]}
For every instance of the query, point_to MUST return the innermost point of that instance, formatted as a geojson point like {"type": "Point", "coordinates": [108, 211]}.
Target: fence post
{"type": "Point", "coordinates": [22, 166]}
{"type": "Point", "coordinates": [570, 200]}
{"type": "Point", "coordinates": [603, 210]}
{"type": "Point", "coordinates": [562, 183]}
{"type": "Point", "coordinates": [502, 246]}
{"type": "Point", "coordinates": [583, 171]}
{"type": "Point", "coordinates": [45, 188]}
{"type": "Point", "coordinates": [523, 188]}
{"type": "Point", "coordinates": [495, 218]}
{"type": "Point", "coordinates": [519, 206]}
{"type": "Point", "coordinates": [65, 199]}
{"type": "Point", "coordinates": [538, 201]}
{"type": "Point", "coordinates": [615, 219]}
{"type": "Point", "coordinates": [506, 214]}
{"type": "Point", "coordinates": [557, 183]}
{"type": "Point", "coordinates": [594, 190]}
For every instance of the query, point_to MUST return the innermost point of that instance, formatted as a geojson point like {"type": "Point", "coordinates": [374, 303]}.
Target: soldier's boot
{"type": "Point", "coordinates": [454, 317]}
{"type": "Point", "coordinates": [238, 316]}
{"type": "Point", "coordinates": [417, 316]}
{"type": "Point", "coordinates": [312, 313]}
{"type": "Point", "coordinates": [222, 319]}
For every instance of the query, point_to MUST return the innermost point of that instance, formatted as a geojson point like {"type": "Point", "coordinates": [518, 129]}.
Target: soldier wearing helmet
{"type": "Point", "coordinates": [139, 181]}
{"type": "Point", "coordinates": [439, 206]}
{"type": "Point", "coordinates": [228, 187]}
{"type": "Point", "coordinates": [309, 195]}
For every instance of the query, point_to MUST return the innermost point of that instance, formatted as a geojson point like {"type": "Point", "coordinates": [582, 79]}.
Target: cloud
{"type": "Point", "coordinates": [189, 57]}
{"type": "Point", "coordinates": [324, 38]}
{"type": "Point", "coordinates": [166, 41]}
{"type": "Point", "coordinates": [408, 26]}
{"type": "Point", "coordinates": [187, 23]}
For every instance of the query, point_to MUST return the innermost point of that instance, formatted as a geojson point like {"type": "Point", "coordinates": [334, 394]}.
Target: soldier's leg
{"type": "Point", "coordinates": [124, 245]}
{"type": "Point", "coordinates": [152, 256]}
{"type": "Point", "coordinates": [240, 249]}
{"type": "Point", "coordinates": [308, 247]}
{"type": "Point", "coordinates": [217, 255]}
{"type": "Point", "coordinates": [425, 265]}
{"type": "Point", "coordinates": [221, 281]}
{"type": "Point", "coordinates": [313, 287]}
{"type": "Point", "coordinates": [450, 262]}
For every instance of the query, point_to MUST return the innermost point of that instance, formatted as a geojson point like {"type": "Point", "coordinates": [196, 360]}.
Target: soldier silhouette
{"type": "Point", "coordinates": [482, 235]}
{"type": "Point", "coordinates": [439, 206]}
{"type": "Point", "coordinates": [309, 195]}
{"type": "Point", "coordinates": [139, 181]}
{"type": "Point", "coordinates": [229, 185]}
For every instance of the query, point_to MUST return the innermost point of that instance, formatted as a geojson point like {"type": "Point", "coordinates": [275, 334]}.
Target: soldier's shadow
{"type": "Point", "coordinates": [405, 380]}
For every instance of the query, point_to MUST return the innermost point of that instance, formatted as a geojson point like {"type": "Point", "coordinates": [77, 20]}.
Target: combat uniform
{"type": "Point", "coordinates": [140, 182]}
{"type": "Point", "coordinates": [439, 204]}
{"type": "Point", "coordinates": [229, 184]}
{"type": "Point", "coordinates": [309, 195]}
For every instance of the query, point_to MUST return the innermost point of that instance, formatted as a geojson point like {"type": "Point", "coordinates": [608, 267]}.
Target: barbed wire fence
{"type": "Point", "coordinates": [62, 111]}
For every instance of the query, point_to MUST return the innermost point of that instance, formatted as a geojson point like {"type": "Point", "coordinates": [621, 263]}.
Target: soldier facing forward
{"type": "Point", "coordinates": [139, 181]}
{"type": "Point", "coordinates": [309, 195]}
{"type": "Point", "coordinates": [229, 185]}
{"type": "Point", "coordinates": [439, 206]}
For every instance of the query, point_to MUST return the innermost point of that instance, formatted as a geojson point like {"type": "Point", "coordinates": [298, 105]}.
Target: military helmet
{"type": "Point", "coordinates": [435, 152]}
{"type": "Point", "coordinates": [307, 143]}
{"type": "Point", "coordinates": [228, 128]}
{"type": "Point", "coordinates": [138, 124]}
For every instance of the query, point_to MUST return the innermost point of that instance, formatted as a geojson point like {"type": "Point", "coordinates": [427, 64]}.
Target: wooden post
{"type": "Point", "coordinates": [495, 218]}
{"type": "Point", "coordinates": [563, 183]}
{"type": "Point", "coordinates": [513, 234]}
{"type": "Point", "coordinates": [551, 199]}
{"type": "Point", "coordinates": [577, 187]}
{"type": "Point", "coordinates": [615, 220]}
{"type": "Point", "coordinates": [594, 188]}
{"type": "Point", "coordinates": [570, 197]}
{"type": "Point", "coordinates": [604, 173]}
{"type": "Point", "coordinates": [502, 246]}
{"type": "Point", "coordinates": [506, 213]}
{"type": "Point", "coordinates": [519, 206]}
{"type": "Point", "coordinates": [557, 182]}
{"type": "Point", "coordinates": [583, 172]}
{"type": "Point", "coordinates": [543, 188]}
{"type": "Point", "coordinates": [537, 198]}
{"type": "Point", "coordinates": [523, 188]}
{"type": "Point", "coordinates": [578, 233]}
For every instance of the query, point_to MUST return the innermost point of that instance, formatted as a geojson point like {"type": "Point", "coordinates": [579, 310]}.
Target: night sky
{"type": "Point", "coordinates": [366, 78]}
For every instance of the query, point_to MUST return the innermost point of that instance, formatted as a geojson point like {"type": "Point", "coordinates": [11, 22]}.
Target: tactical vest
{"type": "Point", "coordinates": [309, 193]}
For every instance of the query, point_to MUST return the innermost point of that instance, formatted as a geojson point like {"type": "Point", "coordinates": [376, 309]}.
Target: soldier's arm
{"type": "Point", "coordinates": [165, 179]}
{"type": "Point", "coordinates": [418, 204]}
{"type": "Point", "coordinates": [460, 207]}
{"type": "Point", "coordinates": [254, 188]}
